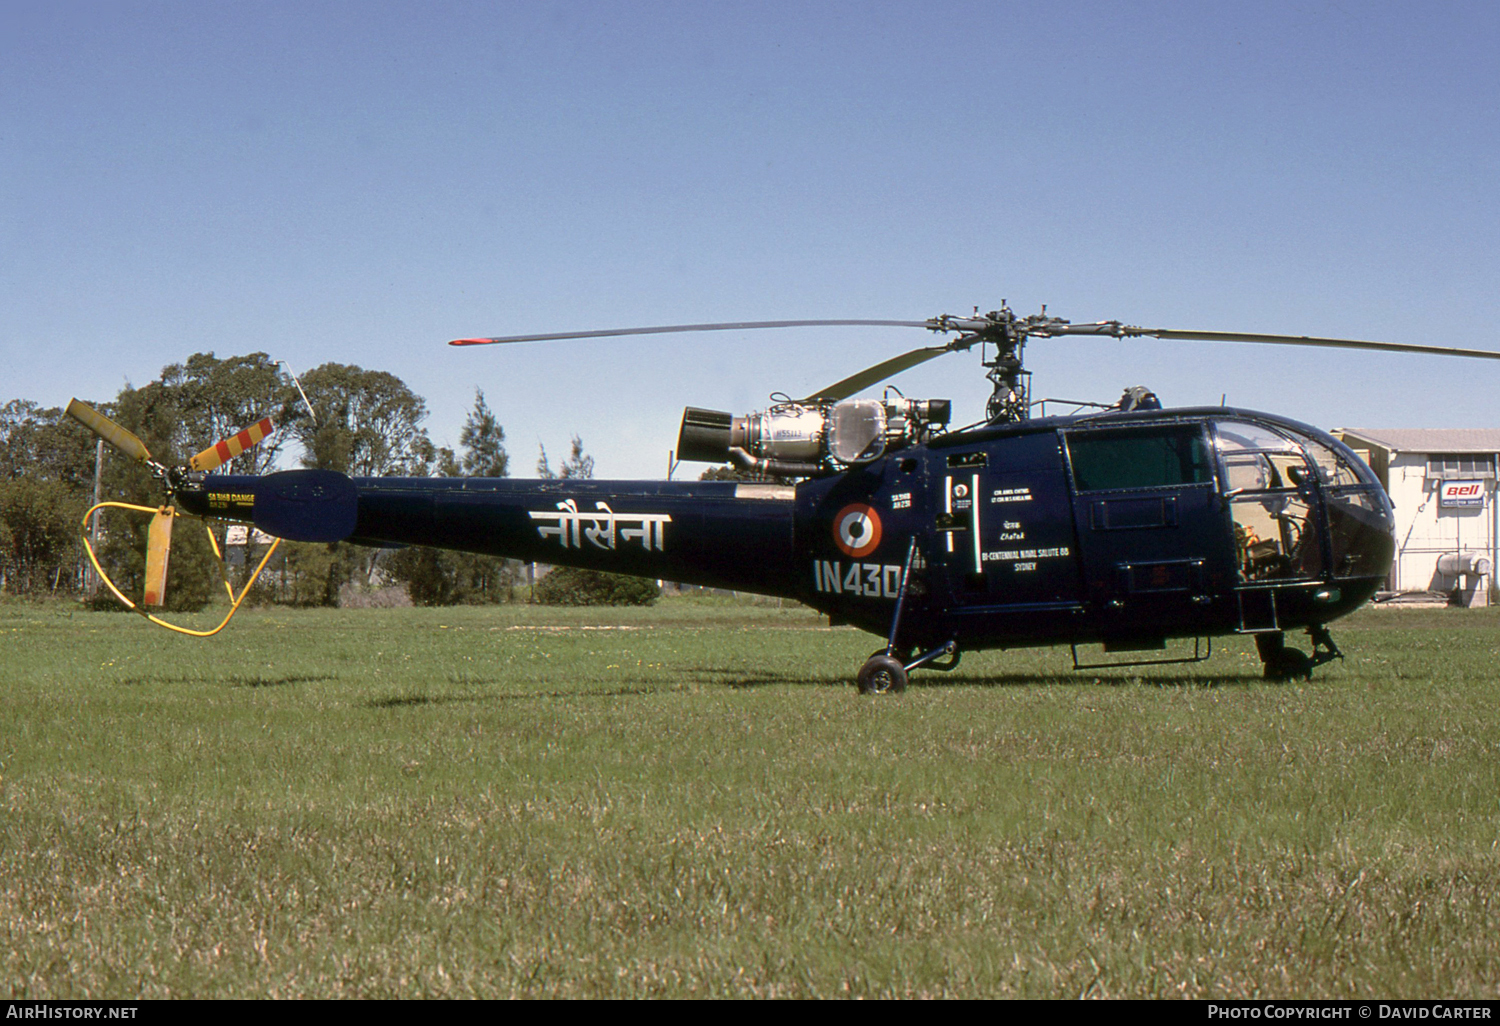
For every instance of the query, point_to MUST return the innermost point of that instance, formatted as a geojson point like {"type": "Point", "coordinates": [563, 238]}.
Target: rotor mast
{"type": "Point", "coordinates": [1010, 402]}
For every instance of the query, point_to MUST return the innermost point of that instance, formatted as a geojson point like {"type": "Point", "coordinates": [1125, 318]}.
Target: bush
{"type": "Point", "coordinates": [434, 577]}
{"type": "Point", "coordinates": [571, 586]}
{"type": "Point", "coordinates": [307, 574]}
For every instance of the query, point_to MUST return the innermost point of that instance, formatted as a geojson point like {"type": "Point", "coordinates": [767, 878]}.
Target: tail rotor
{"type": "Point", "coordinates": [119, 437]}
{"type": "Point", "coordinates": [159, 533]}
{"type": "Point", "coordinates": [222, 452]}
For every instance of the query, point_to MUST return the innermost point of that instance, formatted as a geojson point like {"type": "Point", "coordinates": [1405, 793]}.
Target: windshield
{"type": "Point", "coordinates": [1268, 482]}
{"type": "Point", "coordinates": [1273, 477]}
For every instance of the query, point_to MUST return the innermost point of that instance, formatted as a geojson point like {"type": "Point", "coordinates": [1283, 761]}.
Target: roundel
{"type": "Point", "coordinates": [856, 529]}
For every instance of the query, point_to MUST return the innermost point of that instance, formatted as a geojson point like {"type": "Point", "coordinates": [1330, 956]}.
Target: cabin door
{"type": "Point", "coordinates": [1004, 526]}
{"type": "Point", "coordinates": [1153, 532]}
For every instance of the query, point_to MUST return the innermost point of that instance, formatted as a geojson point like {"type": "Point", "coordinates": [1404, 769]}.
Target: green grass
{"type": "Point", "coordinates": [692, 800]}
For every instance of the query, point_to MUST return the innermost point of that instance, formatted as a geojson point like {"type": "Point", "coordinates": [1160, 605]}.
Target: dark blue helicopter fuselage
{"type": "Point", "coordinates": [1121, 528]}
{"type": "Point", "coordinates": [1124, 529]}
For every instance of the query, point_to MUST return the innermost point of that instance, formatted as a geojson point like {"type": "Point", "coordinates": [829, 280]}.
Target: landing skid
{"type": "Point", "coordinates": [1203, 648]}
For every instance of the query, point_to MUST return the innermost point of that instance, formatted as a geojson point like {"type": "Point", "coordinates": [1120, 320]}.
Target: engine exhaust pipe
{"type": "Point", "coordinates": [704, 435]}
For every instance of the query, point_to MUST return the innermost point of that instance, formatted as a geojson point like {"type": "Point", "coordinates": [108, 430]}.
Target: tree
{"type": "Point", "coordinates": [729, 472]}
{"type": "Point", "coordinates": [434, 577]}
{"type": "Point", "coordinates": [483, 442]}
{"type": "Point", "coordinates": [574, 586]}
{"type": "Point", "coordinates": [369, 424]}
{"type": "Point", "coordinates": [38, 535]}
{"type": "Point", "coordinates": [214, 399]}
{"type": "Point", "coordinates": [47, 464]}
{"type": "Point", "coordinates": [311, 573]}
{"type": "Point", "coordinates": [46, 478]}
{"type": "Point", "coordinates": [577, 466]}
{"type": "Point", "coordinates": [45, 445]}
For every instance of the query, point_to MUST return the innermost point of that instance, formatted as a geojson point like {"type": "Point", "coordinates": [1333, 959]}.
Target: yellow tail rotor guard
{"type": "Point", "coordinates": [235, 601]}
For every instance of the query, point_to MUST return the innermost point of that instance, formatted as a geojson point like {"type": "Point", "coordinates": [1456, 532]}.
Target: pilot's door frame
{"type": "Point", "coordinates": [1274, 513]}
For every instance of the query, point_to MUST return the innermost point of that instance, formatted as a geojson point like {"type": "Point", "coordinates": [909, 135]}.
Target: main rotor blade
{"type": "Point", "coordinates": [108, 430]}
{"type": "Point", "coordinates": [222, 452]}
{"type": "Point", "coordinates": [876, 374]}
{"type": "Point", "coordinates": [669, 328]}
{"type": "Point", "coordinates": [1308, 340]}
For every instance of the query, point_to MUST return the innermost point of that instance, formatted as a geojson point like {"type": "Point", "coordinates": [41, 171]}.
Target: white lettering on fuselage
{"type": "Point", "coordinates": [608, 527]}
{"type": "Point", "coordinates": [1005, 555]}
{"type": "Point", "coordinates": [866, 580]}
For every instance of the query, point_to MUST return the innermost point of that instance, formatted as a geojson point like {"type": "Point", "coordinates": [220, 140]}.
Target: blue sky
{"type": "Point", "coordinates": [360, 182]}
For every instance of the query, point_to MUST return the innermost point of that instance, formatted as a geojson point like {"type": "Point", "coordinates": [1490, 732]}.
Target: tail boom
{"type": "Point", "coordinates": [715, 534]}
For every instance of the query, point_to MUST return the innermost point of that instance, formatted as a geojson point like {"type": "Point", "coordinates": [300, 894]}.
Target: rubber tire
{"type": "Point", "coordinates": [881, 675]}
{"type": "Point", "coordinates": [1282, 663]}
{"type": "Point", "coordinates": [1289, 664]}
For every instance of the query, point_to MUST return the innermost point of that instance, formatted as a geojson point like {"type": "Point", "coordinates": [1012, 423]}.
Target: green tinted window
{"type": "Point", "coordinates": [1155, 457]}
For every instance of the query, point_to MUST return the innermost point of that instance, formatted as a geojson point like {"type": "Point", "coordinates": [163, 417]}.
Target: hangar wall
{"type": "Point", "coordinates": [1442, 483]}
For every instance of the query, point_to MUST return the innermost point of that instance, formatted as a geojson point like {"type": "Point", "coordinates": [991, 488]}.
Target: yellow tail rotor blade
{"type": "Point", "coordinates": [108, 430]}
{"type": "Point", "coordinates": [222, 452]}
{"type": "Point", "coordinates": [158, 548]}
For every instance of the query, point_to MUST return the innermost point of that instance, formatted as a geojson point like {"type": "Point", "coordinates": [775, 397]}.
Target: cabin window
{"type": "Point", "coordinates": [1360, 533]}
{"type": "Point", "coordinates": [1154, 457]}
{"type": "Point", "coordinates": [1263, 471]}
{"type": "Point", "coordinates": [1270, 488]}
{"type": "Point", "coordinates": [1275, 537]}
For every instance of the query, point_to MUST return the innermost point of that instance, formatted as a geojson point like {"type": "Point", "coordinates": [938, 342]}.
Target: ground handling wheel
{"type": "Point", "coordinates": [1282, 663]}
{"type": "Point", "coordinates": [881, 674]}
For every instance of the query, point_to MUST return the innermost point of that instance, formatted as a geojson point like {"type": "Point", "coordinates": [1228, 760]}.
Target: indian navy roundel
{"type": "Point", "coordinates": [857, 529]}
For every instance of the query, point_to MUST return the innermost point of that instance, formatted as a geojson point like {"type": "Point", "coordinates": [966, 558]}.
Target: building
{"type": "Point", "coordinates": [1442, 484]}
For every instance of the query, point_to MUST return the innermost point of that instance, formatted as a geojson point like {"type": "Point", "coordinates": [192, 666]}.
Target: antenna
{"type": "Point", "coordinates": [310, 413]}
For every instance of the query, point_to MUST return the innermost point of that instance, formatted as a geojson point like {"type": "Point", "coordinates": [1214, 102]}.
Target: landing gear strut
{"type": "Point", "coordinates": [885, 671]}
{"type": "Point", "coordinates": [1284, 664]}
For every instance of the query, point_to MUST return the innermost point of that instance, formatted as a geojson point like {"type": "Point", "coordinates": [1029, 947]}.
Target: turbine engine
{"type": "Point", "coordinates": [806, 439]}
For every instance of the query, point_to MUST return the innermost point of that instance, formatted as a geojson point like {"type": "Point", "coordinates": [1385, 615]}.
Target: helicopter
{"type": "Point", "coordinates": [1126, 526]}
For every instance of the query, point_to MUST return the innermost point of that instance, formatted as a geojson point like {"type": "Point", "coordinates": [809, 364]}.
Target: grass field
{"type": "Point", "coordinates": [693, 800]}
